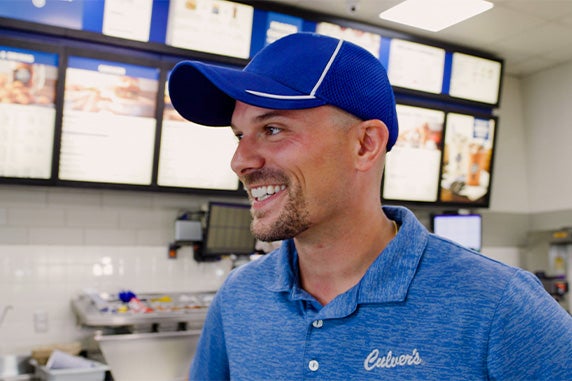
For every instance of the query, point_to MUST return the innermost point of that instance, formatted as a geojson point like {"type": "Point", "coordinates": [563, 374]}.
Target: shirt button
{"type": "Point", "coordinates": [313, 365]}
{"type": "Point", "coordinates": [318, 323]}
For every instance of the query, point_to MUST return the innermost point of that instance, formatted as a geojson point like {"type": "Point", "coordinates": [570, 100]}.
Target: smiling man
{"type": "Point", "coordinates": [357, 290]}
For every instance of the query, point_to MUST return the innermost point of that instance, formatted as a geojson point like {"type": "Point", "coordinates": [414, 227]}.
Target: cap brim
{"type": "Point", "coordinates": [206, 94]}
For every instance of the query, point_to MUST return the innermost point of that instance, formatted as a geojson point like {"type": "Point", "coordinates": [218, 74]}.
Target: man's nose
{"type": "Point", "coordinates": [247, 157]}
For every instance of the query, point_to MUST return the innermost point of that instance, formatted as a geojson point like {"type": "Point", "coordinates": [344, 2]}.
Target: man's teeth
{"type": "Point", "coordinates": [262, 193]}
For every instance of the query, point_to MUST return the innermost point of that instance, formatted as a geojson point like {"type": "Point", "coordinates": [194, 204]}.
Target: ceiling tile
{"type": "Point", "coordinates": [538, 40]}
{"type": "Point", "coordinates": [545, 9]}
{"type": "Point", "coordinates": [490, 26]}
{"type": "Point", "coordinates": [528, 67]}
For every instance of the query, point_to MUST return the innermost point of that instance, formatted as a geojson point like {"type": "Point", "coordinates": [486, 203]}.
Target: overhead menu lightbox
{"type": "Point", "coordinates": [28, 81]}
{"type": "Point", "coordinates": [109, 125]}
{"type": "Point", "coordinates": [475, 78]}
{"type": "Point", "coordinates": [212, 26]}
{"type": "Point", "coordinates": [412, 166]}
{"type": "Point", "coordinates": [416, 66]}
{"type": "Point", "coordinates": [467, 159]}
{"type": "Point", "coordinates": [127, 19]}
{"type": "Point", "coordinates": [369, 41]}
{"type": "Point", "coordinates": [195, 156]}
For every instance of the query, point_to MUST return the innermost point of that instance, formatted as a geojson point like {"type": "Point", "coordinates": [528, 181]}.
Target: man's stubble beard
{"type": "Point", "coordinates": [293, 219]}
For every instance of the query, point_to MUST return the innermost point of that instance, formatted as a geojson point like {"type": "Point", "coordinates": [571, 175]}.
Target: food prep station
{"type": "Point", "coordinates": [151, 337]}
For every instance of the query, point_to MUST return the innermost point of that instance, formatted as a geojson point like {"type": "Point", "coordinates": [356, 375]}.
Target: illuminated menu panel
{"type": "Point", "coordinates": [467, 158]}
{"type": "Point", "coordinates": [416, 66]}
{"type": "Point", "coordinates": [108, 128]}
{"type": "Point", "coordinates": [412, 166]}
{"type": "Point", "coordinates": [127, 19]}
{"type": "Point", "coordinates": [195, 156]}
{"type": "Point", "coordinates": [279, 25]}
{"type": "Point", "coordinates": [475, 78]}
{"type": "Point", "coordinates": [68, 14]}
{"type": "Point", "coordinates": [369, 41]}
{"type": "Point", "coordinates": [212, 26]}
{"type": "Point", "coordinates": [27, 112]}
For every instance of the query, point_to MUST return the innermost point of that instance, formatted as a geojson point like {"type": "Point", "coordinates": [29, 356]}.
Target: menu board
{"type": "Point", "coordinates": [467, 158]}
{"type": "Point", "coordinates": [212, 26]}
{"type": "Point", "coordinates": [279, 25]}
{"type": "Point", "coordinates": [67, 14]}
{"type": "Point", "coordinates": [127, 19]}
{"type": "Point", "coordinates": [195, 156]}
{"type": "Point", "coordinates": [416, 66]}
{"type": "Point", "coordinates": [27, 112]}
{"type": "Point", "coordinates": [369, 41]}
{"type": "Point", "coordinates": [108, 128]}
{"type": "Point", "coordinates": [475, 78]}
{"type": "Point", "coordinates": [412, 165]}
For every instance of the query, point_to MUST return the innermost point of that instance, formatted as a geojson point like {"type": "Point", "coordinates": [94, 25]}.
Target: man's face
{"type": "Point", "coordinates": [293, 164]}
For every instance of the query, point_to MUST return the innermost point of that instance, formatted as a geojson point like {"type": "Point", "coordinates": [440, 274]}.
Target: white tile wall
{"type": "Point", "coordinates": [54, 242]}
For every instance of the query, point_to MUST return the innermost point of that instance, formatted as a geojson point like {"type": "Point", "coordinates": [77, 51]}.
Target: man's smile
{"type": "Point", "coordinates": [261, 193]}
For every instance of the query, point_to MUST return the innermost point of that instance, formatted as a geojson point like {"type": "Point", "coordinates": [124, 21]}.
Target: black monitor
{"type": "Point", "coordinates": [227, 231]}
{"type": "Point", "coordinates": [465, 229]}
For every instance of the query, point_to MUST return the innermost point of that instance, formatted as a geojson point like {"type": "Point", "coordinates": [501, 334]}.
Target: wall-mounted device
{"type": "Point", "coordinates": [465, 229]}
{"type": "Point", "coordinates": [227, 231]}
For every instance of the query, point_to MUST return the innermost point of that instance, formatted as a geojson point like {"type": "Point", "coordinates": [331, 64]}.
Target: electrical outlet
{"type": "Point", "coordinates": [41, 321]}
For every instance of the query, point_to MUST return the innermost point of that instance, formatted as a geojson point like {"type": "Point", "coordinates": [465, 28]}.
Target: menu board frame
{"type": "Point", "coordinates": [92, 42]}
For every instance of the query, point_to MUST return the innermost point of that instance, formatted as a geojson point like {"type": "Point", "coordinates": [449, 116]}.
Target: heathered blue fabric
{"type": "Point", "coordinates": [427, 309]}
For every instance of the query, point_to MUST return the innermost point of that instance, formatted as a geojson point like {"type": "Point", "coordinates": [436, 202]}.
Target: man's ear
{"type": "Point", "coordinates": [371, 143]}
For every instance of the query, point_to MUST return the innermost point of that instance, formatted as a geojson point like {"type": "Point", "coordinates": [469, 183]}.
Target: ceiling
{"type": "Point", "coordinates": [530, 35]}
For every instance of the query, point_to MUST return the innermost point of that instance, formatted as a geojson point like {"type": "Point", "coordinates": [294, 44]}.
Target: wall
{"type": "Point", "coordinates": [548, 123]}
{"type": "Point", "coordinates": [56, 242]}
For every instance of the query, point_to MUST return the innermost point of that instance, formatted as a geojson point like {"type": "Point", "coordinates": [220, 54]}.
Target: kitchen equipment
{"type": "Point", "coordinates": [154, 343]}
{"type": "Point", "coordinates": [149, 356]}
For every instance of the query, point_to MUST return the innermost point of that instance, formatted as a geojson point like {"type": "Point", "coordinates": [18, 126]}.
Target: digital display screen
{"type": "Point", "coordinates": [475, 78]}
{"type": "Point", "coordinates": [467, 157]}
{"type": "Point", "coordinates": [127, 19]}
{"type": "Point", "coordinates": [416, 66]}
{"type": "Point", "coordinates": [68, 14]}
{"type": "Point", "coordinates": [27, 112]}
{"type": "Point", "coordinates": [270, 26]}
{"type": "Point", "coordinates": [109, 125]}
{"type": "Point", "coordinates": [412, 165]}
{"type": "Point", "coordinates": [369, 41]}
{"type": "Point", "coordinates": [228, 230]}
{"type": "Point", "coordinates": [212, 26]}
{"type": "Point", "coordinates": [465, 229]}
{"type": "Point", "coordinates": [195, 156]}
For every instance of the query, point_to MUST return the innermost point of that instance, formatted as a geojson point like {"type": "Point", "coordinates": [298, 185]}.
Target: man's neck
{"type": "Point", "coordinates": [335, 262]}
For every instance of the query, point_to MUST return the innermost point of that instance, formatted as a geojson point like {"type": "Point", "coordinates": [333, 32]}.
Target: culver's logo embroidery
{"type": "Point", "coordinates": [389, 360]}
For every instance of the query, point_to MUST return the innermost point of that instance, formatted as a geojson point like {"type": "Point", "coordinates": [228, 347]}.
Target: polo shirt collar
{"type": "Point", "coordinates": [387, 280]}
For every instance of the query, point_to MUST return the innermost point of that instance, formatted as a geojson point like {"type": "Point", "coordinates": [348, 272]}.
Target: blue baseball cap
{"type": "Point", "coordinates": [299, 71]}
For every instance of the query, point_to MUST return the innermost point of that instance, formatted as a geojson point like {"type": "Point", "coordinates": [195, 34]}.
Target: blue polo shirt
{"type": "Point", "coordinates": [426, 309]}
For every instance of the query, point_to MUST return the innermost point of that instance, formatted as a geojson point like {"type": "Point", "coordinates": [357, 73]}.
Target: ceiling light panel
{"type": "Point", "coordinates": [434, 15]}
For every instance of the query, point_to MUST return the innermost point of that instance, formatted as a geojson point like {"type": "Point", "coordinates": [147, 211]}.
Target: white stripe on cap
{"type": "Point", "coordinates": [316, 86]}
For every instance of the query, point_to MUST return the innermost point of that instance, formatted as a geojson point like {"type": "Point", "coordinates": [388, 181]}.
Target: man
{"type": "Point", "coordinates": [356, 291]}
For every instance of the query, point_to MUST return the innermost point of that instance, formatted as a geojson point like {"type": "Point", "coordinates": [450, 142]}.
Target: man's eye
{"type": "Point", "coordinates": [238, 136]}
{"type": "Point", "coordinates": [273, 130]}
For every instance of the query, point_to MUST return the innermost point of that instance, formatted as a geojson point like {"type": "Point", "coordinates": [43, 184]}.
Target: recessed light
{"type": "Point", "coordinates": [434, 15]}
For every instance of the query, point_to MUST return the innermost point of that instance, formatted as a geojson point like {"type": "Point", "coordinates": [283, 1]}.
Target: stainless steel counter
{"type": "Point", "coordinates": [155, 339]}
